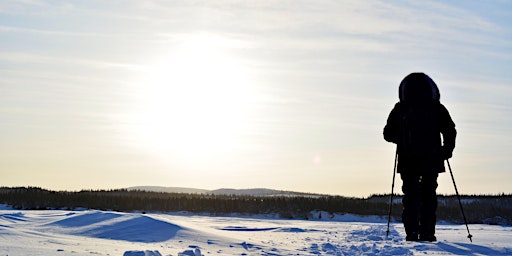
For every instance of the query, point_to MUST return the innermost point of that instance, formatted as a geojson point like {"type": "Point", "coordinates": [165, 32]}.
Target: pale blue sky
{"type": "Point", "coordinates": [288, 95]}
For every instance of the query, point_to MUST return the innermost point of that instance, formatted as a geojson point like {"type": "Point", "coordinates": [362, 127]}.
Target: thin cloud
{"type": "Point", "coordinates": [325, 73]}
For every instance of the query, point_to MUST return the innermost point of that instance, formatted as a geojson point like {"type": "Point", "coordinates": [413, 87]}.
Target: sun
{"type": "Point", "coordinates": [195, 101]}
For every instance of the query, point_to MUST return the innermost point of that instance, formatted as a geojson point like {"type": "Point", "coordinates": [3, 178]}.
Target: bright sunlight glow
{"type": "Point", "coordinates": [195, 100]}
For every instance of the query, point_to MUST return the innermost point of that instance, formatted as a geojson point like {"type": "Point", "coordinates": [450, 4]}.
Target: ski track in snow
{"type": "Point", "coordinates": [132, 234]}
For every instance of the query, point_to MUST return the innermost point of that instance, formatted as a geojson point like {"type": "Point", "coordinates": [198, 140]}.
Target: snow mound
{"type": "Point", "coordinates": [116, 226]}
{"type": "Point", "coordinates": [195, 252]}
{"type": "Point", "coordinates": [142, 253]}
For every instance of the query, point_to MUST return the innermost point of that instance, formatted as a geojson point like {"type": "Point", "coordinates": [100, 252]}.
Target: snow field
{"type": "Point", "coordinates": [93, 232]}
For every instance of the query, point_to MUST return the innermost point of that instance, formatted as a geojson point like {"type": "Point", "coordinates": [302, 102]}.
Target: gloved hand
{"type": "Point", "coordinates": [446, 153]}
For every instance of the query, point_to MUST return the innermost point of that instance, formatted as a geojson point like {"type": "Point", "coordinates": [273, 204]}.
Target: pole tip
{"type": "Point", "coordinates": [470, 238]}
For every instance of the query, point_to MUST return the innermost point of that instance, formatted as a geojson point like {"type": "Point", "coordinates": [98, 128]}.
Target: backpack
{"type": "Point", "coordinates": [419, 116]}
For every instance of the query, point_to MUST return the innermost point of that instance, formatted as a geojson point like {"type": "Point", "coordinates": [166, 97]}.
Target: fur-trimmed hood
{"type": "Point", "coordinates": [418, 87]}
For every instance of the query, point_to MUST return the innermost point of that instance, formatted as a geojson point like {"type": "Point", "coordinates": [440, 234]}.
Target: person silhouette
{"type": "Point", "coordinates": [415, 124]}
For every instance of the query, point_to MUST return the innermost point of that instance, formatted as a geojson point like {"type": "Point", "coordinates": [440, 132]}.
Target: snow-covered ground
{"type": "Point", "coordinates": [91, 232]}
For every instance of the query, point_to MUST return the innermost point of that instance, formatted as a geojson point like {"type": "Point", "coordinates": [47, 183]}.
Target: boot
{"type": "Point", "coordinates": [427, 238]}
{"type": "Point", "coordinates": [413, 237]}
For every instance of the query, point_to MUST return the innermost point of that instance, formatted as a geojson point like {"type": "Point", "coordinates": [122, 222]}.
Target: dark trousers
{"type": "Point", "coordinates": [419, 204]}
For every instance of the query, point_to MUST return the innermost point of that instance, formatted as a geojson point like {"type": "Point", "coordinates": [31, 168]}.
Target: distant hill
{"type": "Point", "coordinates": [258, 192]}
{"type": "Point", "coordinates": [222, 191]}
{"type": "Point", "coordinates": [169, 189]}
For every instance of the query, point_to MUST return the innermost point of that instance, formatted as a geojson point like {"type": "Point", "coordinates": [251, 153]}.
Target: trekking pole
{"type": "Point", "coordinates": [460, 203]}
{"type": "Point", "coordinates": [392, 188]}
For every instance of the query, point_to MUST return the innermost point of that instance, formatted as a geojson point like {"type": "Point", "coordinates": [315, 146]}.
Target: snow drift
{"type": "Point", "coordinates": [91, 232]}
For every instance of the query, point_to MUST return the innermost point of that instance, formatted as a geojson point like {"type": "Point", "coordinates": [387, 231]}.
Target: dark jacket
{"type": "Point", "coordinates": [416, 127]}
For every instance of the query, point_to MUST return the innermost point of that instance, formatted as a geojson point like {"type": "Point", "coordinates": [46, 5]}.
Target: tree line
{"type": "Point", "coordinates": [489, 209]}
